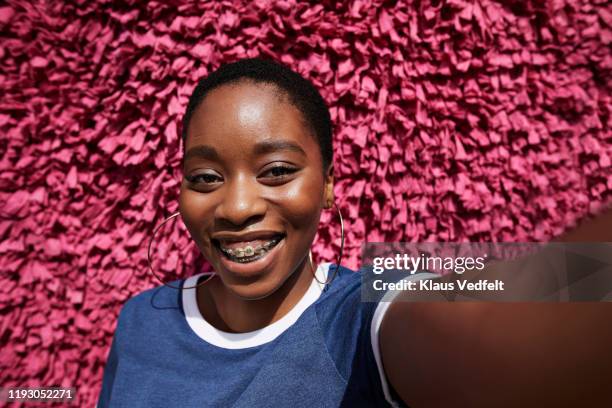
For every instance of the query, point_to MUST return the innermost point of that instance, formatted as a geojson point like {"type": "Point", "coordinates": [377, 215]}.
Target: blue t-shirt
{"type": "Point", "coordinates": [323, 353]}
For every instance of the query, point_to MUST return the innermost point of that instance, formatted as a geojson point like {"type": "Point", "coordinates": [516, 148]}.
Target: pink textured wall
{"type": "Point", "coordinates": [455, 120]}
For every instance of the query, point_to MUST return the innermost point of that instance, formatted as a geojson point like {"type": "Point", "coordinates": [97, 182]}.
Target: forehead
{"type": "Point", "coordinates": [244, 104]}
{"type": "Point", "coordinates": [245, 112]}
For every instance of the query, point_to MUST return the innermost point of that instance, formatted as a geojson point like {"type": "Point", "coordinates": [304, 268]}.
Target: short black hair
{"type": "Point", "coordinates": [301, 92]}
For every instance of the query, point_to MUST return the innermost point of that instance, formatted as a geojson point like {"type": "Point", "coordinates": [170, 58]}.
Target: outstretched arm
{"type": "Point", "coordinates": [502, 354]}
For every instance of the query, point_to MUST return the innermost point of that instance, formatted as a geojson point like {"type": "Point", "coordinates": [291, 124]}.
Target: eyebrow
{"type": "Point", "coordinates": [203, 151]}
{"type": "Point", "coordinates": [272, 146]}
{"type": "Point", "coordinates": [261, 148]}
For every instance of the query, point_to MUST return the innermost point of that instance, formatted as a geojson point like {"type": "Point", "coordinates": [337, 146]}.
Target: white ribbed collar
{"type": "Point", "coordinates": [222, 339]}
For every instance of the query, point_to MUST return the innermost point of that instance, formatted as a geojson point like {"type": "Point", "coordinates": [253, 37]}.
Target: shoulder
{"type": "Point", "coordinates": [142, 305]}
{"type": "Point", "coordinates": [345, 282]}
{"type": "Point", "coordinates": [349, 324]}
{"type": "Point", "coordinates": [341, 313]}
{"type": "Point", "coordinates": [345, 295]}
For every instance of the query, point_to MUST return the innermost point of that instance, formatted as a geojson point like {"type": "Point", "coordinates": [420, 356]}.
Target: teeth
{"type": "Point", "coordinates": [249, 250]}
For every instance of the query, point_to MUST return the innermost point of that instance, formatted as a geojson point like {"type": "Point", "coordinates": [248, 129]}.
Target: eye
{"type": "Point", "coordinates": [204, 178]}
{"type": "Point", "coordinates": [278, 173]}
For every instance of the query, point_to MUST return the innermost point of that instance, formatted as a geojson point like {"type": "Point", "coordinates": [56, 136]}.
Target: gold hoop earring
{"type": "Point", "coordinates": [151, 266]}
{"type": "Point", "coordinates": [338, 259]}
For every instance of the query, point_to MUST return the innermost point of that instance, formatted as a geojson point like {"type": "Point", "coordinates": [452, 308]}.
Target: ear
{"type": "Point", "coordinates": [329, 187]}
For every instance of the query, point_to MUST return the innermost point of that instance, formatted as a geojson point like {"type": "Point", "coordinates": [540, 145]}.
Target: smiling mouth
{"type": "Point", "coordinates": [246, 252]}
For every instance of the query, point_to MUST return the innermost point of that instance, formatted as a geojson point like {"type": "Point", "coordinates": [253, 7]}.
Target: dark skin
{"type": "Point", "coordinates": [503, 354]}
{"type": "Point", "coordinates": [259, 169]}
{"type": "Point", "coordinates": [434, 354]}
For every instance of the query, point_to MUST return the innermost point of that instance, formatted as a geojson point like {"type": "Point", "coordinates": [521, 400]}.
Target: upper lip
{"type": "Point", "coordinates": [249, 236]}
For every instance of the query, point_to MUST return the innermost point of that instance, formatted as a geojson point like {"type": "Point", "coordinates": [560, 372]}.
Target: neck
{"type": "Point", "coordinates": [230, 313]}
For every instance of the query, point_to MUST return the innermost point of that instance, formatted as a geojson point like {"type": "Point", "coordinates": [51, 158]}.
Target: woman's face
{"type": "Point", "coordinates": [253, 186]}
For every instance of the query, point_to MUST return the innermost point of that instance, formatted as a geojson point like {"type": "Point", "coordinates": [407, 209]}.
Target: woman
{"type": "Point", "coordinates": [270, 328]}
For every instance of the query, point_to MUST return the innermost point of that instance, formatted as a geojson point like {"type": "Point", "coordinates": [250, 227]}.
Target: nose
{"type": "Point", "coordinates": [241, 203]}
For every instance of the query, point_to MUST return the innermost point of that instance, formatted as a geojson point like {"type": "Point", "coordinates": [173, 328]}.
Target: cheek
{"type": "Point", "coordinates": [301, 204]}
{"type": "Point", "coordinates": [195, 212]}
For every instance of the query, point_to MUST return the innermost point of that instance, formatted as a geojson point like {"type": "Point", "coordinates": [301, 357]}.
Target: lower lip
{"type": "Point", "coordinates": [254, 268]}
